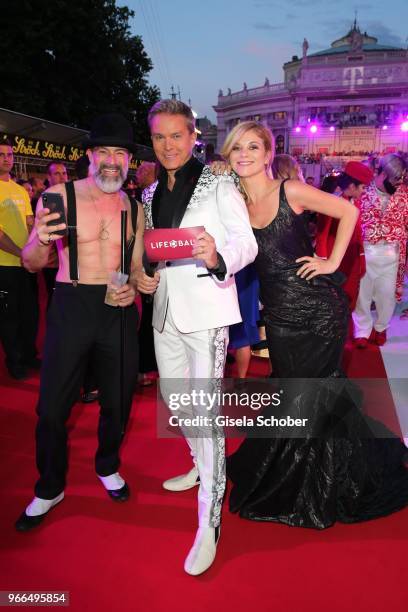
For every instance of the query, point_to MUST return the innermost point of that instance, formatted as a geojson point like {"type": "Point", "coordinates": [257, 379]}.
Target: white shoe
{"type": "Point", "coordinates": [202, 554]}
{"type": "Point", "coordinates": [41, 506]}
{"type": "Point", "coordinates": [183, 482]}
{"type": "Point", "coordinates": [112, 482]}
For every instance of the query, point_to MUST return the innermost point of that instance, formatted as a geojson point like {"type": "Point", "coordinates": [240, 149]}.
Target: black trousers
{"type": "Point", "coordinates": [49, 275]}
{"type": "Point", "coordinates": [148, 356]}
{"type": "Point", "coordinates": [80, 327]}
{"type": "Point", "coordinates": [18, 314]}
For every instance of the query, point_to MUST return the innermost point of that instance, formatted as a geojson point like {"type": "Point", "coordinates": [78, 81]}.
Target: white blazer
{"type": "Point", "coordinates": [198, 300]}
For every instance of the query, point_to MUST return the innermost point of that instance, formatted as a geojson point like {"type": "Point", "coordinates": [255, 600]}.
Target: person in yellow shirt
{"type": "Point", "coordinates": [18, 311]}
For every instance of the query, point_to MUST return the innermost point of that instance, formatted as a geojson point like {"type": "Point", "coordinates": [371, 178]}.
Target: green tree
{"type": "Point", "coordinates": [69, 61]}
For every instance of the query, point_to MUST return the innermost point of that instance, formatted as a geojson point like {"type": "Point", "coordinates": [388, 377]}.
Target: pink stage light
{"type": "Point", "coordinates": [297, 129]}
{"type": "Point", "coordinates": [404, 126]}
{"type": "Point", "coordinates": [331, 128]}
{"type": "Point", "coordinates": [313, 129]}
{"type": "Point", "coordinates": [385, 127]}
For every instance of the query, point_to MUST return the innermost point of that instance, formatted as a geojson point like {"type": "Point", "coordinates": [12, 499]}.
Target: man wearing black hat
{"type": "Point", "coordinates": [80, 325]}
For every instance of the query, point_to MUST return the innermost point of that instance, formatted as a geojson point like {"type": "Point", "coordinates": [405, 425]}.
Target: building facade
{"type": "Point", "coordinates": [348, 100]}
{"type": "Point", "coordinates": [208, 131]}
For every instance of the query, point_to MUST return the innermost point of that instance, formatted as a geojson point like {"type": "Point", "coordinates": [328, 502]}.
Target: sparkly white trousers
{"type": "Point", "coordinates": [378, 285]}
{"type": "Point", "coordinates": [185, 361]}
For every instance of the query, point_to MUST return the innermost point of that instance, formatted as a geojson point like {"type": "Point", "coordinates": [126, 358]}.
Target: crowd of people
{"type": "Point", "coordinates": [371, 158]}
{"type": "Point", "coordinates": [352, 118]}
{"type": "Point", "coordinates": [375, 262]}
{"type": "Point", "coordinates": [256, 210]}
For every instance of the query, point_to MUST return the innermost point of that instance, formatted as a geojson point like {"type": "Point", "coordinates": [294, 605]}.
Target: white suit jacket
{"type": "Point", "coordinates": [198, 300]}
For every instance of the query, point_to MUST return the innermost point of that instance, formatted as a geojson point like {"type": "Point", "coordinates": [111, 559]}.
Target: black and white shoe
{"type": "Point", "coordinates": [35, 512]}
{"type": "Point", "coordinates": [116, 487]}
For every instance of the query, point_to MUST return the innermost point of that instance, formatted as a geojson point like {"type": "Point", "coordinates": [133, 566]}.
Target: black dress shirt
{"type": "Point", "coordinates": [169, 206]}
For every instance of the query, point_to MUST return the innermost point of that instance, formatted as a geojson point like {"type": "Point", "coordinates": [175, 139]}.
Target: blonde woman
{"type": "Point", "coordinates": [313, 481]}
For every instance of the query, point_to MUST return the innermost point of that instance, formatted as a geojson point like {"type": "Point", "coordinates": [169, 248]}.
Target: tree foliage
{"type": "Point", "coordinates": [69, 61]}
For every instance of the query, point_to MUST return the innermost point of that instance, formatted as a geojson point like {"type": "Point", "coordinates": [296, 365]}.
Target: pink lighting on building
{"type": "Point", "coordinates": [404, 126]}
{"type": "Point", "coordinates": [335, 124]}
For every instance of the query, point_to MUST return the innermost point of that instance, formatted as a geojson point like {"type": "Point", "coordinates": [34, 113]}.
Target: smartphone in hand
{"type": "Point", "coordinates": [55, 204]}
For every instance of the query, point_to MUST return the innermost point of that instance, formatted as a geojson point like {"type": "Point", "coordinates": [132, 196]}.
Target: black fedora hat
{"type": "Point", "coordinates": [110, 130]}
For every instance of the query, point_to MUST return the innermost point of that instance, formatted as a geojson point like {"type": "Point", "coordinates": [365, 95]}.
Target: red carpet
{"type": "Point", "coordinates": [130, 557]}
{"type": "Point", "coordinates": [367, 366]}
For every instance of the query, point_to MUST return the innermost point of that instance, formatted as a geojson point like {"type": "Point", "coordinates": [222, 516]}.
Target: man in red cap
{"type": "Point", "coordinates": [352, 182]}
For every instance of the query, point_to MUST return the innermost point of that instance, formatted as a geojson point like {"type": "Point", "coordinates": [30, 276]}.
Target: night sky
{"type": "Point", "coordinates": [202, 46]}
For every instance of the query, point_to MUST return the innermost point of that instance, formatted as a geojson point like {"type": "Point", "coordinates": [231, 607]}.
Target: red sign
{"type": "Point", "coordinates": [171, 243]}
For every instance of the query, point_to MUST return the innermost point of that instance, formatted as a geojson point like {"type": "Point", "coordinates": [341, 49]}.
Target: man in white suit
{"type": "Point", "coordinates": [195, 299]}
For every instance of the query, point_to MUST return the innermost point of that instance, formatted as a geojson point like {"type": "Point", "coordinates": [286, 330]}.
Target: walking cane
{"type": "Point", "coordinates": [123, 266]}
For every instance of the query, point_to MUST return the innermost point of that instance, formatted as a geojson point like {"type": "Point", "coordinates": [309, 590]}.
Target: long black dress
{"type": "Point", "coordinates": [345, 469]}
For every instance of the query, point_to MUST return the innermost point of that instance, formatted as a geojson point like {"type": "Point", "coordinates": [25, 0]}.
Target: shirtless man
{"type": "Point", "coordinates": [80, 325]}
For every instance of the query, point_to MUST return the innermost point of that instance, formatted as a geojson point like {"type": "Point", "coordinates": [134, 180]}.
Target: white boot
{"type": "Point", "coordinates": [202, 554]}
{"type": "Point", "coordinates": [183, 482]}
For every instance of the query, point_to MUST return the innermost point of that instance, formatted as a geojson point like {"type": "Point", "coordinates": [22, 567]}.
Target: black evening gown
{"type": "Point", "coordinates": [350, 469]}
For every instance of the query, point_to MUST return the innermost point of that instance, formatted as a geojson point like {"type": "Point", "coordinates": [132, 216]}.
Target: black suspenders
{"type": "Point", "coordinates": [73, 238]}
{"type": "Point", "coordinates": [131, 243]}
{"type": "Point", "coordinates": [72, 232]}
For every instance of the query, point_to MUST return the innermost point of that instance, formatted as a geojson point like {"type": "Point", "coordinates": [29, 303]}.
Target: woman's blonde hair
{"type": "Point", "coordinates": [286, 167]}
{"type": "Point", "coordinates": [260, 130]}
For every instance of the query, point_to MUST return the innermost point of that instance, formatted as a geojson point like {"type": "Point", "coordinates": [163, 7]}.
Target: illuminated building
{"type": "Point", "coordinates": [348, 100]}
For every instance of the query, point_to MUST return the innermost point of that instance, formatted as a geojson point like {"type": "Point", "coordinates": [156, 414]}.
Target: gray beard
{"type": "Point", "coordinates": [107, 184]}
